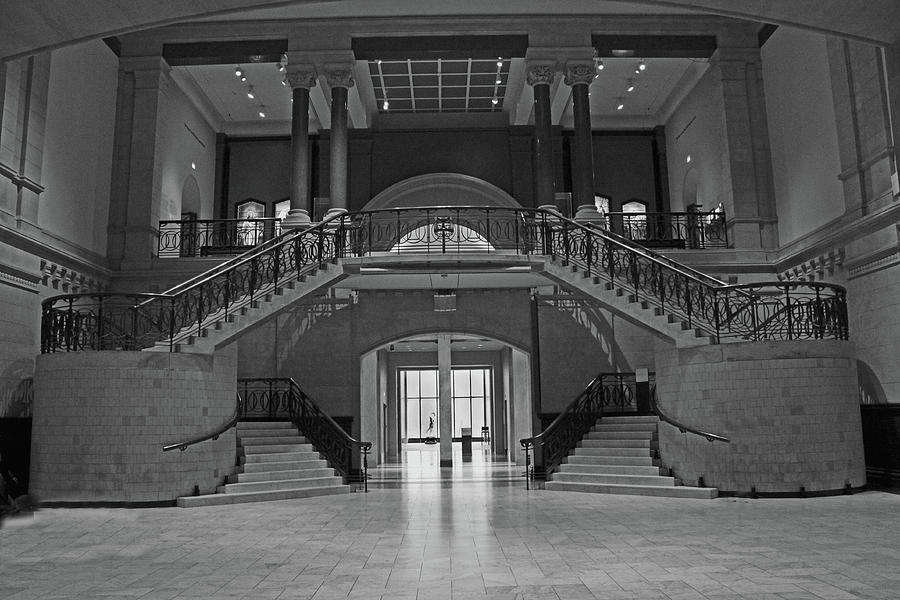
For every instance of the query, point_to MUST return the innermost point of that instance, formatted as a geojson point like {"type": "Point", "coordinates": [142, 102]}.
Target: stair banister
{"type": "Point", "coordinates": [213, 435]}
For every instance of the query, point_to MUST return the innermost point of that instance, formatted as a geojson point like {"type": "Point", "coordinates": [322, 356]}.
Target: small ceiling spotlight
{"type": "Point", "coordinates": [250, 93]}
{"type": "Point", "coordinates": [385, 105]}
{"type": "Point", "coordinates": [378, 62]}
{"type": "Point", "coordinates": [620, 104]}
{"type": "Point", "coordinates": [499, 81]}
{"type": "Point", "coordinates": [630, 87]}
{"type": "Point", "coordinates": [499, 63]}
{"type": "Point", "coordinates": [262, 111]}
{"type": "Point", "coordinates": [641, 67]}
{"type": "Point", "coordinates": [688, 159]}
{"type": "Point", "coordinates": [600, 66]}
{"type": "Point", "coordinates": [494, 101]}
{"type": "Point", "coordinates": [284, 81]}
{"type": "Point", "coordinates": [238, 72]}
{"type": "Point", "coordinates": [194, 166]}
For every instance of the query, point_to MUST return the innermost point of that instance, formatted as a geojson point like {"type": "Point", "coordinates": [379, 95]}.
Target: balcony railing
{"type": "Point", "coordinates": [691, 230]}
{"type": "Point", "coordinates": [213, 237]}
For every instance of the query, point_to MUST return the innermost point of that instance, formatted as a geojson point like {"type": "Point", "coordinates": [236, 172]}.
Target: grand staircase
{"type": "Point", "coordinates": [618, 457]}
{"type": "Point", "coordinates": [275, 463]}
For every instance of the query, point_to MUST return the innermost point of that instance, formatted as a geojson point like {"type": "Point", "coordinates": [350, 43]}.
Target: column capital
{"type": "Point", "coordinates": [580, 72]}
{"type": "Point", "coordinates": [301, 76]}
{"type": "Point", "coordinates": [339, 75]}
{"type": "Point", "coordinates": [540, 72]}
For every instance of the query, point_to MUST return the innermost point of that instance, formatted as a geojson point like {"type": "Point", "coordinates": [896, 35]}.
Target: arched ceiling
{"type": "Point", "coordinates": [35, 25]}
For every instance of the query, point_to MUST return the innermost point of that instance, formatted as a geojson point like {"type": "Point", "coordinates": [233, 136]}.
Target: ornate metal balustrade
{"type": "Point", "coordinates": [607, 393]}
{"type": "Point", "coordinates": [283, 398]}
{"type": "Point", "coordinates": [553, 444]}
{"type": "Point", "coordinates": [759, 311]}
{"type": "Point", "coordinates": [796, 310]}
{"type": "Point", "coordinates": [693, 230]}
{"type": "Point", "coordinates": [213, 237]}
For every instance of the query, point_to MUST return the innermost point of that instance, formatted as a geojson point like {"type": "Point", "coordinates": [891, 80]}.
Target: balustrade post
{"type": "Point", "coordinates": [690, 304]}
{"type": "Point", "coordinates": [276, 259]}
{"type": "Point", "coordinates": [100, 322]}
{"type": "Point", "coordinates": [320, 246]}
{"type": "Point", "coordinates": [172, 324]}
{"type": "Point", "coordinates": [716, 312]}
{"type": "Point", "coordinates": [487, 227]}
{"type": "Point", "coordinates": [70, 325]}
{"type": "Point", "coordinates": [589, 248]}
{"type": "Point", "coordinates": [527, 467]}
{"type": "Point", "coordinates": [790, 316]}
{"type": "Point", "coordinates": [819, 327]}
{"type": "Point", "coordinates": [365, 472]}
{"type": "Point", "coordinates": [661, 282]}
{"type": "Point", "coordinates": [368, 251]}
{"type": "Point", "coordinates": [754, 307]}
{"type": "Point", "coordinates": [134, 317]}
{"type": "Point", "coordinates": [565, 232]}
{"type": "Point", "coordinates": [199, 310]}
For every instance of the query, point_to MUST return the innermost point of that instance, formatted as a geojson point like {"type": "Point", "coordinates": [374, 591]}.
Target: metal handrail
{"type": "Point", "coordinates": [704, 302]}
{"type": "Point", "coordinates": [214, 435]}
{"type": "Point", "coordinates": [711, 437]}
{"type": "Point", "coordinates": [337, 446]}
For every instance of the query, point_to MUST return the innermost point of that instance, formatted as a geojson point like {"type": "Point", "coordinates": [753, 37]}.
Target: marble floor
{"type": "Point", "coordinates": [470, 532]}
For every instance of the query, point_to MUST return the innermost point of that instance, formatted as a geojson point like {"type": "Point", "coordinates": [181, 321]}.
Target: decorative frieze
{"type": "Point", "coordinates": [815, 269]}
{"type": "Point", "coordinates": [68, 281]}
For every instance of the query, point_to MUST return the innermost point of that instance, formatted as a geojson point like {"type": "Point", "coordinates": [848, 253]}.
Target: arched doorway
{"type": "Point", "coordinates": [442, 189]}
{"type": "Point", "coordinates": [421, 395]}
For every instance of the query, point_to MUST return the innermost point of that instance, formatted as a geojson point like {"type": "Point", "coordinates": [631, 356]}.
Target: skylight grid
{"type": "Point", "coordinates": [439, 85]}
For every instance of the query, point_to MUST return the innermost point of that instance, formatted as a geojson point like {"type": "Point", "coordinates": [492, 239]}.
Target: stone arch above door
{"type": "Point", "coordinates": [442, 189]}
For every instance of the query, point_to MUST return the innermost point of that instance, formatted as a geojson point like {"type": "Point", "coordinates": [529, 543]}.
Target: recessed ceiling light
{"type": "Point", "coordinates": [621, 53]}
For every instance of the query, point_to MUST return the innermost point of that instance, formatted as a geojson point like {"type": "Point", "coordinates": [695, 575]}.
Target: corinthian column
{"type": "Point", "coordinates": [301, 78]}
{"type": "Point", "coordinates": [340, 79]}
{"type": "Point", "coordinates": [540, 76]}
{"type": "Point", "coordinates": [579, 75]}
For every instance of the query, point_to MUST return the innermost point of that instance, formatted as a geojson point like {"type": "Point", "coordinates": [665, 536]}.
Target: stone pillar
{"type": "Point", "coordinates": [445, 400]}
{"type": "Point", "coordinates": [540, 76]}
{"type": "Point", "coordinates": [301, 77]}
{"type": "Point", "coordinates": [750, 192]}
{"type": "Point", "coordinates": [340, 79]}
{"type": "Point", "coordinates": [137, 172]}
{"type": "Point", "coordinates": [579, 75]}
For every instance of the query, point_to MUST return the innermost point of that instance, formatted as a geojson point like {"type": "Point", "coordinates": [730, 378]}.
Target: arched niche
{"type": "Point", "coordinates": [442, 189]}
{"type": "Point", "coordinates": [190, 197]}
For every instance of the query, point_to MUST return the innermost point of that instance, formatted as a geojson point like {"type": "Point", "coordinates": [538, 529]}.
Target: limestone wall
{"type": "Point", "coordinates": [790, 409]}
{"type": "Point", "coordinates": [103, 443]}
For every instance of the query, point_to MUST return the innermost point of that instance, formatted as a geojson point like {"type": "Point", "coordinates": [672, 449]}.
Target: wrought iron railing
{"type": "Point", "coordinates": [553, 444]}
{"type": "Point", "coordinates": [693, 230]}
{"type": "Point", "coordinates": [212, 435]}
{"type": "Point", "coordinates": [283, 398]}
{"type": "Point", "coordinates": [758, 311]}
{"type": "Point", "coordinates": [607, 393]}
{"type": "Point", "coordinates": [795, 310]}
{"type": "Point", "coordinates": [213, 237]}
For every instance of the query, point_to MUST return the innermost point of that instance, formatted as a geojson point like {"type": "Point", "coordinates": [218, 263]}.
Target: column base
{"type": "Point", "coordinates": [295, 219]}
{"type": "Point", "coordinates": [550, 208]}
{"type": "Point", "coordinates": [332, 212]}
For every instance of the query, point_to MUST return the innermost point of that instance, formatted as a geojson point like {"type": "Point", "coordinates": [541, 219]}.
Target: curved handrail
{"type": "Point", "coordinates": [702, 302]}
{"type": "Point", "coordinates": [214, 435]}
{"type": "Point", "coordinates": [711, 437]}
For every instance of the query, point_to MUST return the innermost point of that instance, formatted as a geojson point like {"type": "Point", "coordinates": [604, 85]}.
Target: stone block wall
{"type": "Point", "coordinates": [789, 408]}
{"type": "Point", "coordinates": [102, 418]}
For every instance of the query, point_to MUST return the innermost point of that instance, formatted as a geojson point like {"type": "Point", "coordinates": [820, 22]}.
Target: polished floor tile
{"type": "Point", "coordinates": [470, 532]}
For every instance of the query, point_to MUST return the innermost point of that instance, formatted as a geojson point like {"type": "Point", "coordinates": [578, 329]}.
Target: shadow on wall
{"type": "Point", "coordinates": [18, 402]}
{"type": "Point", "coordinates": [870, 390]}
{"type": "Point", "coordinates": [598, 326]}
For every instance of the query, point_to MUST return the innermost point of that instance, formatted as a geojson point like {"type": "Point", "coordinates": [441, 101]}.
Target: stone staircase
{"type": "Point", "coordinates": [617, 457]}
{"type": "Point", "coordinates": [622, 301]}
{"type": "Point", "coordinates": [275, 463]}
{"type": "Point", "coordinates": [219, 329]}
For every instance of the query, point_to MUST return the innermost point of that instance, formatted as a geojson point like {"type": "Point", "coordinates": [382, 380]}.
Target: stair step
{"type": "Point", "coordinates": [279, 457]}
{"type": "Point", "coordinates": [630, 419]}
{"type": "Point", "coordinates": [292, 465]}
{"type": "Point", "coordinates": [603, 425]}
{"type": "Point", "coordinates": [258, 433]}
{"type": "Point", "coordinates": [631, 461]}
{"type": "Point", "coordinates": [286, 484]}
{"type": "Point", "coordinates": [582, 451]}
{"type": "Point", "coordinates": [611, 478]}
{"type": "Point", "coordinates": [317, 470]}
{"type": "Point", "coordinates": [277, 448]}
{"type": "Point", "coordinates": [678, 491]}
{"type": "Point", "coordinates": [258, 425]}
{"type": "Point", "coordinates": [265, 496]}
{"type": "Point", "coordinates": [616, 443]}
{"type": "Point", "coordinates": [605, 469]}
{"type": "Point", "coordinates": [248, 441]}
{"type": "Point", "coordinates": [620, 435]}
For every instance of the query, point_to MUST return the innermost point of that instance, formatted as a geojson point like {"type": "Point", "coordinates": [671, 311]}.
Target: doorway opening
{"type": "Point", "coordinates": [471, 396]}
